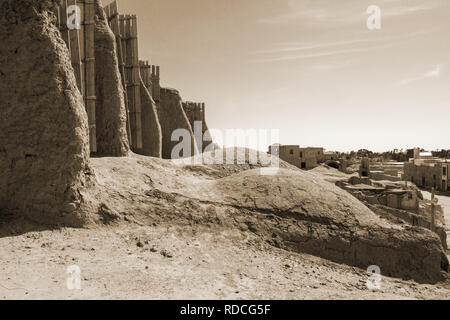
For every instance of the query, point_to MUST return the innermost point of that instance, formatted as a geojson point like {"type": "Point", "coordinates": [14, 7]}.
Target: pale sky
{"type": "Point", "coordinates": [310, 68]}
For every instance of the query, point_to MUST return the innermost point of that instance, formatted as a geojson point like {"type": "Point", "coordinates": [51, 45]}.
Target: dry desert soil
{"type": "Point", "coordinates": [142, 255]}
{"type": "Point", "coordinates": [133, 262]}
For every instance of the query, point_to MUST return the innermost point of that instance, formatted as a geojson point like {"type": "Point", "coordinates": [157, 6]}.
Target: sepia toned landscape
{"type": "Point", "coordinates": [114, 185]}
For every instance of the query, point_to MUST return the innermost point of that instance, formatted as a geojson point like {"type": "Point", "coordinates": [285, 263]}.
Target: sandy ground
{"type": "Point", "coordinates": [151, 254]}
{"type": "Point", "coordinates": [136, 262]}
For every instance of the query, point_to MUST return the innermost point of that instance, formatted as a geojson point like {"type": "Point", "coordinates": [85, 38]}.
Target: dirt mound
{"type": "Point", "coordinates": [44, 144]}
{"type": "Point", "coordinates": [294, 210]}
{"type": "Point", "coordinates": [304, 214]}
{"type": "Point", "coordinates": [221, 163]}
{"type": "Point", "coordinates": [110, 102]}
{"type": "Point", "coordinates": [329, 174]}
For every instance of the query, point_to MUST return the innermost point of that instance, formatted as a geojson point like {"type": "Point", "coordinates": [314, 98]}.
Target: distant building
{"type": "Point", "coordinates": [387, 171]}
{"type": "Point", "coordinates": [331, 156]}
{"type": "Point", "coordinates": [303, 158]}
{"type": "Point", "coordinates": [427, 171]}
{"type": "Point", "coordinates": [319, 153]}
{"type": "Point", "coordinates": [364, 167]}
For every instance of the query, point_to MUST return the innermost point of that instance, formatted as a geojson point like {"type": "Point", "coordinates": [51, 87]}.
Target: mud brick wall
{"type": "Point", "coordinates": [44, 135]}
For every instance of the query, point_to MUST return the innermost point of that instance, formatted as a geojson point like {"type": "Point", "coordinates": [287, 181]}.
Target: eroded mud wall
{"type": "Point", "coordinates": [44, 138]}
{"type": "Point", "coordinates": [151, 128]}
{"type": "Point", "coordinates": [172, 117]}
{"type": "Point", "coordinates": [111, 114]}
{"type": "Point", "coordinates": [195, 113]}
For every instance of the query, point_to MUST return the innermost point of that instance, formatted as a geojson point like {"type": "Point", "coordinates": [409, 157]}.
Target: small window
{"type": "Point", "coordinates": [292, 151]}
{"type": "Point", "coordinates": [434, 177]}
{"type": "Point", "coordinates": [301, 154]}
{"type": "Point", "coordinates": [444, 171]}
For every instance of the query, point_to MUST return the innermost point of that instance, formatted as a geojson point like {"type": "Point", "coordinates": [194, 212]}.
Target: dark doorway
{"type": "Point", "coordinates": [303, 165]}
{"type": "Point", "coordinates": [333, 164]}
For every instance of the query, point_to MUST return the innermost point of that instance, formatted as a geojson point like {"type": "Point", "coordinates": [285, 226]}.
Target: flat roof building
{"type": "Point", "coordinates": [303, 158]}
{"type": "Point", "coordinates": [427, 171]}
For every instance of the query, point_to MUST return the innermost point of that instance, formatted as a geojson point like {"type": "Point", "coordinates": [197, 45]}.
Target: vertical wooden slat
{"type": "Point", "coordinates": [125, 34]}
{"type": "Point", "coordinates": [116, 28]}
{"type": "Point", "coordinates": [57, 13]}
{"type": "Point", "coordinates": [145, 75]}
{"type": "Point", "coordinates": [203, 113]}
{"type": "Point", "coordinates": [155, 83]}
{"type": "Point", "coordinates": [136, 81]}
{"type": "Point", "coordinates": [82, 46]}
{"type": "Point", "coordinates": [128, 59]}
{"type": "Point", "coordinates": [158, 87]}
{"type": "Point", "coordinates": [149, 81]}
{"type": "Point", "coordinates": [143, 68]}
{"type": "Point", "coordinates": [150, 85]}
{"type": "Point", "coordinates": [124, 49]}
{"type": "Point", "coordinates": [153, 76]}
{"type": "Point", "coordinates": [90, 71]}
{"type": "Point", "coordinates": [115, 8]}
{"type": "Point", "coordinates": [80, 3]}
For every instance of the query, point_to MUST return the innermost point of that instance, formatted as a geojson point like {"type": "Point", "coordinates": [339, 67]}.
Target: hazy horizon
{"type": "Point", "coordinates": [311, 69]}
